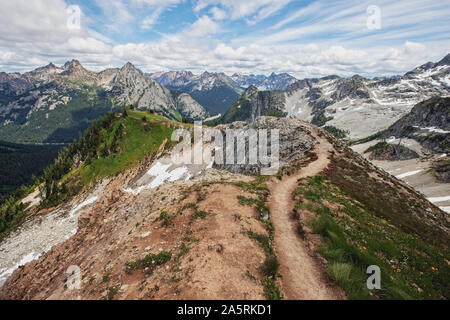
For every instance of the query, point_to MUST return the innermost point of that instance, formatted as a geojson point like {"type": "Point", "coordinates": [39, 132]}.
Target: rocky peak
{"type": "Point", "coordinates": [250, 92]}
{"type": "Point", "coordinates": [445, 61]}
{"type": "Point", "coordinates": [72, 65]}
{"type": "Point", "coordinates": [75, 70]}
{"type": "Point", "coordinates": [129, 67]}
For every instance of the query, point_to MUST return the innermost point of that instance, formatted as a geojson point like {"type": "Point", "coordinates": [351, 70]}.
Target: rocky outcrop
{"type": "Point", "coordinates": [391, 152]}
{"type": "Point", "coordinates": [428, 123]}
{"type": "Point", "coordinates": [295, 140]}
{"type": "Point", "coordinates": [189, 108]}
{"type": "Point", "coordinates": [254, 103]}
{"type": "Point", "coordinates": [132, 86]}
{"type": "Point", "coordinates": [441, 170]}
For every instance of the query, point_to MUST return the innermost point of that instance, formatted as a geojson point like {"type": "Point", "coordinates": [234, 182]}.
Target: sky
{"type": "Point", "coordinates": [304, 38]}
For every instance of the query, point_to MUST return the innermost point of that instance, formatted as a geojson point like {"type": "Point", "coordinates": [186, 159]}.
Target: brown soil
{"type": "Point", "coordinates": [302, 273]}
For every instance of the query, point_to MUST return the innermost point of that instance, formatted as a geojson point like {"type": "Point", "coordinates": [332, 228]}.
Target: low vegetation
{"type": "Point", "coordinates": [113, 144]}
{"type": "Point", "coordinates": [320, 119]}
{"type": "Point", "coordinates": [355, 237]}
{"type": "Point", "coordinates": [150, 261]}
{"type": "Point", "coordinates": [336, 132]}
{"type": "Point", "coordinates": [367, 139]}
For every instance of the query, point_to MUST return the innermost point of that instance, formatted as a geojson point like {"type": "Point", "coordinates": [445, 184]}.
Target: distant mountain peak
{"type": "Point", "coordinates": [50, 66]}
{"type": "Point", "coordinates": [445, 61]}
{"type": "Point", "coordinates": [74, 64]}
{"type": "Point", "coordinates": [251, 90]}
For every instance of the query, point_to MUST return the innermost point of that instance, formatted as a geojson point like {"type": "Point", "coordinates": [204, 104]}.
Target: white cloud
{"type": "Point", "coordinates": [218, 14]}
{"type": "Point", "coordinates": [35, 33]}
{"type": "Point", "coordinates": [202, 27]}
{"type": "Point", "coordinates": [151, 20]}
{"type": "Point", "coordinates": [252, 10]}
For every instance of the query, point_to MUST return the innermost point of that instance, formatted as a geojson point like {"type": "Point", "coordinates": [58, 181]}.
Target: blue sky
{"type": "Point", "coordinates": [304, 38]}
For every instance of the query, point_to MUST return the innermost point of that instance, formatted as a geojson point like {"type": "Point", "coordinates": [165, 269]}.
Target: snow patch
{"type": "Point", "coordinates": [407, 174]}
{"type": "Point", "coordinates": [446, 209]}
{"type": "Point", "coordinates": [160, 175]}
{"type": "Point", "coordinates": [439, 199]}
{"type": "Point", "coordinates": [27, 258]}
{"type": "Point", "coordinates": [82, 205]}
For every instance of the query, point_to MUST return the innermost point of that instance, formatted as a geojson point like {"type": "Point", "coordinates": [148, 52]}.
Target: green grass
{"type": "Point", "coordinates": [150, 261]}
{"type": "Point", "coordinates": [258, 204]}
{"type": "Point", "coordinates": [354, 237]}
{"type": "Point", "coordinates": [139, 140]}
{"type": "Point", "coordinates": [271, 291]}
{"type": "Point", "coordinates": [198, 215]}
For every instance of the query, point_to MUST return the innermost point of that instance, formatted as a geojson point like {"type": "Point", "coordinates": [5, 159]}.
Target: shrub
{"type": "Point", "coordinates": [271, 266]}
{"type": "Point", "coordinates": [271, 291]}
{"type": "Point", "coordinates": [151, 260]}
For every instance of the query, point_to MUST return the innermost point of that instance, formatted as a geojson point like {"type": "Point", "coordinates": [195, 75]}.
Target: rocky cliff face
{"type": "Point", "coordinates": [131, 86]}
{"type": "Point", "coordinates": [189, 108]}
{"type": "Point", "coordinates": [428, 123]}
{"type": "Point", "coordinates": [295, 141]}
{"type": "Point", "coordinates": [254, 103]}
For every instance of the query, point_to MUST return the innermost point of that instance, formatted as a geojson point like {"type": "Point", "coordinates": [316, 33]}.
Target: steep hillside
{"type": "Point", "coordinates": [428, 123]}
{"type": "Point", "coordinates": [254, 103]}
{"type": "Point", "coordinates": [214, 91]}
{"type": "Point", "coordinates": [141, 226]}
{"type": "Point", "coordinates": [189, 108]}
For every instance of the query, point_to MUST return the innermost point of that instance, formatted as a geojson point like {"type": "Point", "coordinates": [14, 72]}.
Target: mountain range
{"type": "Point", "coordinates": [53, 104]}
{"type": "Point", "coordinates": [362, 106]}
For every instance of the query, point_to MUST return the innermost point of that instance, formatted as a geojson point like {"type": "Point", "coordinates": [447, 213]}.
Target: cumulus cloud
{"type": "Point", "coordinates": [203, 26]}
{"type": "Point", "coordinates": [35, 33]}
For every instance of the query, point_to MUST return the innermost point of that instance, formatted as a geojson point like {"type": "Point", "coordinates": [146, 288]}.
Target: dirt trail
{"type": "Point", "coordinates": [302, 275]}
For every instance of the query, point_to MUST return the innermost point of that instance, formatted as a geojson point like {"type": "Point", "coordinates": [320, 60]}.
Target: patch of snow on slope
{"type": "Point", "coordinates": [4, 274]}
{"type": "Point", "coordinates": [407, 174]}
{"type": "Point", "coordinates": [82, 205]}
{"type": "Point", "coordinates": [438, 199]}
{"type": "Point", "coordinates": [446, 209]}
{"type": "Point", "coordinates": [38, 235]}
{"type": "Point", "coordinates": [160, 175]}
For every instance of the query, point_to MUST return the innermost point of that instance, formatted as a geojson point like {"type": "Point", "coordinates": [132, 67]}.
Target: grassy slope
{"type": "Point", "coordinates": [366, 221]}
{"type": "Point", "coordinates": [141, 138]}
